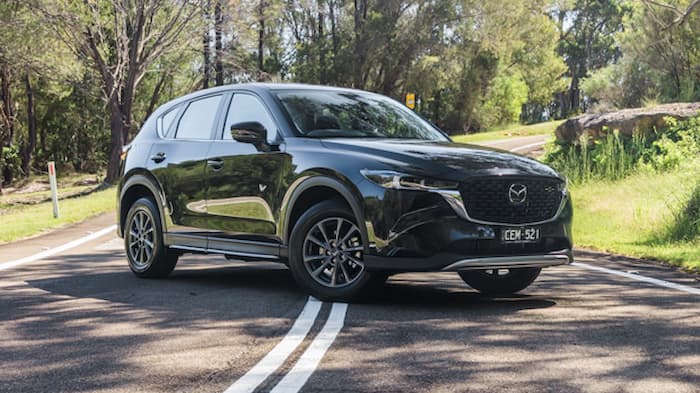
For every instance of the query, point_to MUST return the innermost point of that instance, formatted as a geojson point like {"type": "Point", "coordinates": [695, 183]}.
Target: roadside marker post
{"type": "Point", "coordinates": [54, 188]}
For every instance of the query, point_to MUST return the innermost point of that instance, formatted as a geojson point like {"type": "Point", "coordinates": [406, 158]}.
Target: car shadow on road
{"type": "Point", "coordinates": [572, 331]}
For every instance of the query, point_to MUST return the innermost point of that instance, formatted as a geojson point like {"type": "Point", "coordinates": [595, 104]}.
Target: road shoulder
{"type": "Point", "coordinates": [54, 238]}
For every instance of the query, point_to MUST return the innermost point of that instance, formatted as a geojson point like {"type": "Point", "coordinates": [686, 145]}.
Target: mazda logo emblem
{"type": "Point", "coordinates": [517, 194]}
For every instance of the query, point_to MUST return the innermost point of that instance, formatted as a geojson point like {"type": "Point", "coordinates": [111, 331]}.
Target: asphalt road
{"type": "Point", "coordinates": [530, 145]}
{"type": "Point", "coordinates": [79, 321]}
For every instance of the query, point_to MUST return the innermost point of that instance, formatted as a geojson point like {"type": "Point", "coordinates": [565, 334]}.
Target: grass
{"type": "Point", "coordinates": [36, 188]}
{"type": "Point", "coordinates": [32, 220]}
{"type": "Point", "coordinates": [638, 216]}
{"type": "Point", "coordinates": [512, 131]}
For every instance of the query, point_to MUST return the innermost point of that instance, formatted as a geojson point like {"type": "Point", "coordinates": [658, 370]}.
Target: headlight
{"type": "Point", "coordinates": [402, 181]}
{"type": "Point", "coordinates": [564, 187]}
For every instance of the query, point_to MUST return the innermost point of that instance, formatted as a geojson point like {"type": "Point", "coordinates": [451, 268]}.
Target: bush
{"type": "Point", "coordinates": [11, 163]}
{"type": "Point", "coordinates": [615, 156]}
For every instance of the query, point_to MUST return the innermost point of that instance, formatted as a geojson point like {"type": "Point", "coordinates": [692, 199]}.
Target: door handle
{"type": "Point", "coordinates": [216, 163]}
{"type": "Point", "coordinates": [158, 157]}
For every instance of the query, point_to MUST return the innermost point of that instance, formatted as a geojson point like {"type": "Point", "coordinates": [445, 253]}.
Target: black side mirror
{"type": "Point", "coordinates": [249, 132]}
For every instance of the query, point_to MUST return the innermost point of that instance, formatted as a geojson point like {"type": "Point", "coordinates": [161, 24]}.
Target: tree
{"type": "Point", "coordinates": [682, 15]}
{"type": "Point", "coordinates": [120, 39]}
{"type": "Point", "coordinates": [586, 43]}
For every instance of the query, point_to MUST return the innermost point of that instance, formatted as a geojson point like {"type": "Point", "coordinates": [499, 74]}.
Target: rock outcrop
{"type": "Point", "coordinates": [626, 121]}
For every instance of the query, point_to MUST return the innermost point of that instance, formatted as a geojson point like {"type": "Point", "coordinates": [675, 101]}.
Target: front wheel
{"type": "Point", "coordinates": [326, 254]}
{"type": "Point", "coordinates": [143, 241]}
{"type": "Point", "coordinates": [500, 281]}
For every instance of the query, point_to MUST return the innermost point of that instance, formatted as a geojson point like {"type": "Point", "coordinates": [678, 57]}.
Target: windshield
{"type": "Point", "coordinates": [343, 114]}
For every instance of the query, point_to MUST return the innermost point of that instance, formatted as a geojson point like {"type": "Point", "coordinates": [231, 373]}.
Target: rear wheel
{"type": "Point", "coordinates": [500, 281]}
{"type": "Point", "coordinates": [326, 254]}
{"type": "Point", "coordinates": [143, 241]}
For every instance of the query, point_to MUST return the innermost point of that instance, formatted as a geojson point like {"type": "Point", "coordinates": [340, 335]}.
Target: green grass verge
{"type": "Point", "coordinates": [512, 131]}
{"type": "Point", "coordinates": [24, 221]}
{"type": "Point", "coordinates": [636, 216]}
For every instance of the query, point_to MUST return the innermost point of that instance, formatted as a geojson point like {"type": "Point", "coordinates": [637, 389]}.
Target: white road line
{"type": "Point", "coordinates": [531, 145]}
{"type": "Point", "coordinates": [302, 370]}
{"type": "Point", "coordinates": [637, 277]}
{"type": "Point", "coordinates": [275, 358]}
{"type": "Point", "coordinates": [59, 249]}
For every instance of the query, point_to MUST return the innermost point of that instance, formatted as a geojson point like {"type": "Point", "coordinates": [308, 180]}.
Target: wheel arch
{"type": "Point", "coordinates": [311, 190]}
{"type": "Point", "coordinates": [138, 185]}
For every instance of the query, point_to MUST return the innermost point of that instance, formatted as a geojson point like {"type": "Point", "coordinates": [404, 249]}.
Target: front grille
{"type": "Point", "coordinates": [487, 199]}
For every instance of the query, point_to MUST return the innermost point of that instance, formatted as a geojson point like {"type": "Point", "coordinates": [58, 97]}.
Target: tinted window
{"type": "Point", "coordinates": [244, 108]}
{"type": "Point", "coordinates": [198, 119]}
{"type": "Point", "coordinates": [324, 114]}
{"type": "Point", "coordinates": [166, 122]}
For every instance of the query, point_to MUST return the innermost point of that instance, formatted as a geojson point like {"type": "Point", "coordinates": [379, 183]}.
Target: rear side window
{"type": "Point", "coordinates": [198, 119]}
{"type": "Point", "coordinates": [165, 123]}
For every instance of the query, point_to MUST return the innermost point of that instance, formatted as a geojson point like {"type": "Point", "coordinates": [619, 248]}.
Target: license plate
{"type": "Point", "coordinates": [520, 235]}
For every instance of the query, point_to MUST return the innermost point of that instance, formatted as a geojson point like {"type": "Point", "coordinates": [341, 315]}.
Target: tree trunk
{"type": "Point", "coordinates": [218, 27]}
{"type": "Point", "coordinates": [155, 96]}
{"type": "Point", "coordinates": [206, 49]}
{"type": "Point", "coordinates": [359, 58]}
{"type": "Point", "coordinates": [574, 95]}
{"type": "Point", "coordinates": [116, 126]}
{"type": "Point", "coordinates": [321, 51]}
{"type": "Point", "coordinates": [6, 129]}
{"type": "Point", "coordinates": [8, 111]}
{"type": "Point", "coordinates": [31, 125]}
{"type": "Point", "coordinates": [261, 40]}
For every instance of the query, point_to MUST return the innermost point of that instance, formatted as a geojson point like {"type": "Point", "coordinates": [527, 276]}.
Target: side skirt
{"type": "Point", "coordinates": [243, 249]}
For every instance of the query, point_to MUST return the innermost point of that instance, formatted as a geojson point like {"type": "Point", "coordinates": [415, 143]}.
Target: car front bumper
{"type": "Point", "coordinates": [418, 231]}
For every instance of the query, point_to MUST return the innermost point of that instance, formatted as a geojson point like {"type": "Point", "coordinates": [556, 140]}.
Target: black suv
{"type": "Point", "coordinates": [344, 186]}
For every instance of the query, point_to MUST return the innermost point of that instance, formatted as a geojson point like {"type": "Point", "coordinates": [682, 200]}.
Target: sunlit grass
{"type": "Point", "coordinates": [20, 221]}
{"type": "Point", "coordinates": [635, 216]}
{"type": "Point", "coordinates": [512, 131]}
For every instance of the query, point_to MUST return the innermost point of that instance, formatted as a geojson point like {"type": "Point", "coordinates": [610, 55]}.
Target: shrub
{"type": "Point", "coordinates": [615, 156]}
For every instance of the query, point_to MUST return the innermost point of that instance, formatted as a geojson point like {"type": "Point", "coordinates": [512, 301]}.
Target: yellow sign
{"type": "Point", "coordinates": [411, 100]}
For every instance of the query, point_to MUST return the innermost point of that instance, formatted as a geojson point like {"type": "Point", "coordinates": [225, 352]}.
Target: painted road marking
{"type": "Point", "coordinates": [307, 363]}
{"type": "Point", "coordinates": [275, 358]}
{"type": "Point", "coordinates": [59, 249]}
{"type": "Point", "coordinates": [637, 277]}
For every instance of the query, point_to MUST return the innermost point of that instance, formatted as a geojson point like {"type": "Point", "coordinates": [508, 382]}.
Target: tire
{"type": "Point", "coordinates": [500, 281]}
{"type": "Point", "coordinates": [143, 242]}
{"type": "Point", "coordinates": [326, 260]}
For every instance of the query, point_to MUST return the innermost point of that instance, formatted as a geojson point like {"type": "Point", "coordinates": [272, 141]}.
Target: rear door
{"type": "Point", "coordinates": [178, 161]}
{"type": "Point", "coordinates": [246, 187]}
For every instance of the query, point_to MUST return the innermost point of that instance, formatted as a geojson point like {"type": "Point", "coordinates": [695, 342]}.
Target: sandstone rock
{"type": "Point", "coordinates": [626, 121]}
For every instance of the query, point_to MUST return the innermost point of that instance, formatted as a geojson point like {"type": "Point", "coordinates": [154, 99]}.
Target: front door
{"type": "Point", "coordinates": [245, 185]}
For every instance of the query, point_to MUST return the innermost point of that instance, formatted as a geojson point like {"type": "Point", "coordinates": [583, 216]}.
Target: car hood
{"type": "Point", "coordinates": [443, 159]}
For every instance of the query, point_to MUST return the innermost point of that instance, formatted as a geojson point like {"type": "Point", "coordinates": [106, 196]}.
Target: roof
{"type": "Point", "coordinates": [255, 87]}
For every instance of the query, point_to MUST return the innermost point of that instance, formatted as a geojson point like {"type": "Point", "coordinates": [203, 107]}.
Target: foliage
{"type": "Point", "coordinates": [85, 85]}
{"type": "Point", "coordinates": [587, 29]}
{"type": "Point", "coordinates": [615, 156]}
{"type": "Point", "coordinates": [504, 101]}
{"type": "Point", "coordinates": [10, 161]}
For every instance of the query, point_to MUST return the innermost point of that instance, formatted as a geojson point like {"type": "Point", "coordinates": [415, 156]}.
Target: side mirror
{"type": "Point", "coordinates": [249, 132]}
